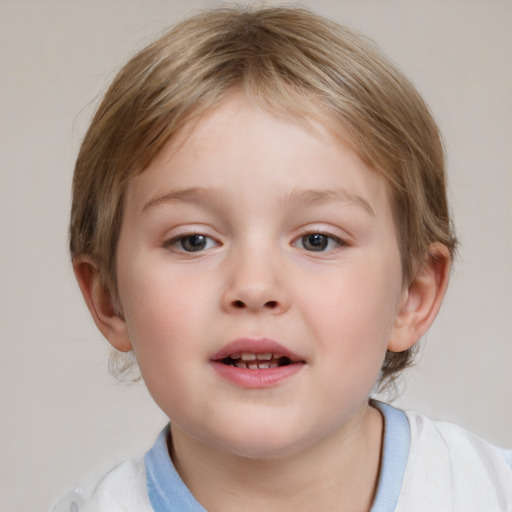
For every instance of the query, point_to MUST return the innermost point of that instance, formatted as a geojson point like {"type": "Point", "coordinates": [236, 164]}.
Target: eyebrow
{"type": "Point", "coordinates": [190, 195]}
{"type": "Point", "coordinates": [320, 197]}
{"type": "Point", "coordinates": [296, 197]}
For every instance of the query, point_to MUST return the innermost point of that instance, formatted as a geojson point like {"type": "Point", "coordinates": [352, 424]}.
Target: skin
{"type": "Point", "coordinates": [257, 188]}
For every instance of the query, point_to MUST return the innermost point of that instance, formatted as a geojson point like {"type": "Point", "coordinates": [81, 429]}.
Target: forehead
{"type": "Point", "coordinates": [241, 146]}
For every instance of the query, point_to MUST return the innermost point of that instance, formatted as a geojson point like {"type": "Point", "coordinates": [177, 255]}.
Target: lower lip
{"type": "Point", "coordinates": [256, 379]}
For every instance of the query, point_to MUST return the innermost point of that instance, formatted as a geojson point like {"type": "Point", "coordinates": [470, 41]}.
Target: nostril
{"type": "Point", "coordinates": [240, 304]}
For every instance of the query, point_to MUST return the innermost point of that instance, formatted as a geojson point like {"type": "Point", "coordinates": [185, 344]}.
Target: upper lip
{"type": "Point", "coordinates": [255, 346]}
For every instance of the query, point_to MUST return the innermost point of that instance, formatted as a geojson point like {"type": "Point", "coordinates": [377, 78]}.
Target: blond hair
{"type": "Point", "coordinates": [292, 61]}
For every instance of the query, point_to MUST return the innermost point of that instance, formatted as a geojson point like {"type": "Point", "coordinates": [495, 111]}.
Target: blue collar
{"type": "Point", "coordinates": [168, 493]}
{"type": "Point", "coordinates": [395, 450]}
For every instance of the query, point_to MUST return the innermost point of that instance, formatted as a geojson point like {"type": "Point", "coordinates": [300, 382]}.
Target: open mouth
{"type": "Point", "coordinates": [254, 361]}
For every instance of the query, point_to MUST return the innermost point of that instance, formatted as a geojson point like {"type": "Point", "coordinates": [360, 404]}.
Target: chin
{"type": "Point", "coordinates": [263, 442]}
{"type": "Point", "coordinates": [263, 450]}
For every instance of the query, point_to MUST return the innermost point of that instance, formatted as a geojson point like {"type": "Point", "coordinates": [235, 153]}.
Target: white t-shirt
{"type": "Point", "coordinates": [426, 466]}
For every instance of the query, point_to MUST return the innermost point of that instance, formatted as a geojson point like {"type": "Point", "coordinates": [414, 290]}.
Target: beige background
{"type": "Point", "coordinates": [62, 416]}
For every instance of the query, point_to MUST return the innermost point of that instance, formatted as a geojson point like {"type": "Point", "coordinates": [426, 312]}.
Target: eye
{"type": "Point", "coordinates": [318, 242]}
{"type": "Point", "coordinates": [191, 243]}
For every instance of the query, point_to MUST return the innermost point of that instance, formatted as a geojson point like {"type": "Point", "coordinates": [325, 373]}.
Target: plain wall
{"type": "Point", "coordinates": [62, 417]}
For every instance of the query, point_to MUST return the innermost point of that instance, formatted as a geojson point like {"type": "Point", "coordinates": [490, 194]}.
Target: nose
{"type": "Point", "coordinates": [255, 283]}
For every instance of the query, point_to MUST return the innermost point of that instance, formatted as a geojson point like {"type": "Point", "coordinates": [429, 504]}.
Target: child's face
{"type": "Point", "coordinates": [254, 237]}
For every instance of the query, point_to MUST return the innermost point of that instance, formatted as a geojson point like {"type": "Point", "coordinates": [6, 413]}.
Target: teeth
{"type": "Point", "coordinates": [255, 366]}
{"type": "Point", "coordinates": [250, 356]}
{"type": "Point", "coordinates": [264, 357]}
{"type": "Point", "coordinates": [254, 361]}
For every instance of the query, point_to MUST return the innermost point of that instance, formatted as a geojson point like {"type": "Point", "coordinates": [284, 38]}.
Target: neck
{"type": "Point", "coordinates": [339, 472]}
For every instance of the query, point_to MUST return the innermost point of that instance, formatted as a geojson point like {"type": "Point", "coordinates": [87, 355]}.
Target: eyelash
{"type": "Point", "coordinates": [322, 241]}
{"type": "Point", "coordinates": [320, 237]}
{"type": "Point", "coordinates": [186, 237]}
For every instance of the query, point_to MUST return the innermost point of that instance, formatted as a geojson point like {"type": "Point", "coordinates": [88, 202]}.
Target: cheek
{"type": "Point", "coordinates": [157, 316]}
{"type": "Point", "coordinates": [352, 329]}
{"type": "Point", "coordinates": [353, 313]}
{"type": "Point", "coordinates": [163, 327]}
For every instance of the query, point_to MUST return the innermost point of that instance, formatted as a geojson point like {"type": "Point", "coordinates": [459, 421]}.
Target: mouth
{"type": "Point", "coordinates": [256, 363]}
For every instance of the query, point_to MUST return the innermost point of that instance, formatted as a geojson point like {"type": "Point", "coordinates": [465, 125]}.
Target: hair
{"type": "Point", "coordinates": [293, 62]}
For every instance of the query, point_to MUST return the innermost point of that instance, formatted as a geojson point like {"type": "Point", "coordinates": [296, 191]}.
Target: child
{"type": "Point", "coordinates": [260, 217]}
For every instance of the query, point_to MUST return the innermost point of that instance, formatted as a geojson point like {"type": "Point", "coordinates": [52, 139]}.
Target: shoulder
{"type": "Point", "coordinates": [450, 442]}
{"type": "Point", "coordinates": [123, 489]}
{"type": "Point", "coordinates": [448, 464]}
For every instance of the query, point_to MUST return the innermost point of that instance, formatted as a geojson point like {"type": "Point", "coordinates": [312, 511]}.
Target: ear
{"type": "Point", "coordinates": [421, 299]}
{"type": "Point", "coordinates": [101, 305]}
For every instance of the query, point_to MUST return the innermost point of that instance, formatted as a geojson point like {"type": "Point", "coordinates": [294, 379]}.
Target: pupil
{"type": "Point", "coordinates": [315, 242]}
{"type": "Point", "coordinates": [194, 243]}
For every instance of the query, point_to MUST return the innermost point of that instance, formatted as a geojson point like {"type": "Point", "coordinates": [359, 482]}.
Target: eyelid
{"type": "Point", "coordinates": [306, 231]}
{"type": "Point", "coordinates": [322, 229]}
{"type": "Point", "coordinates": [169, 242]}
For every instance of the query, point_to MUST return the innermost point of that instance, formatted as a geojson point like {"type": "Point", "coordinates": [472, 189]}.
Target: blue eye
{"type": "Point", "coordinates": [191, 243]}
{"type": "Point", "coordinates": [319, 242]}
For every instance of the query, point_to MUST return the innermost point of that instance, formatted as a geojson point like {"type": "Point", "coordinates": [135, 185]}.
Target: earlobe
{"type": "Point", "coordinates": [421, 300]}
{"type": "Point", "coordinates": [101, 305]}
